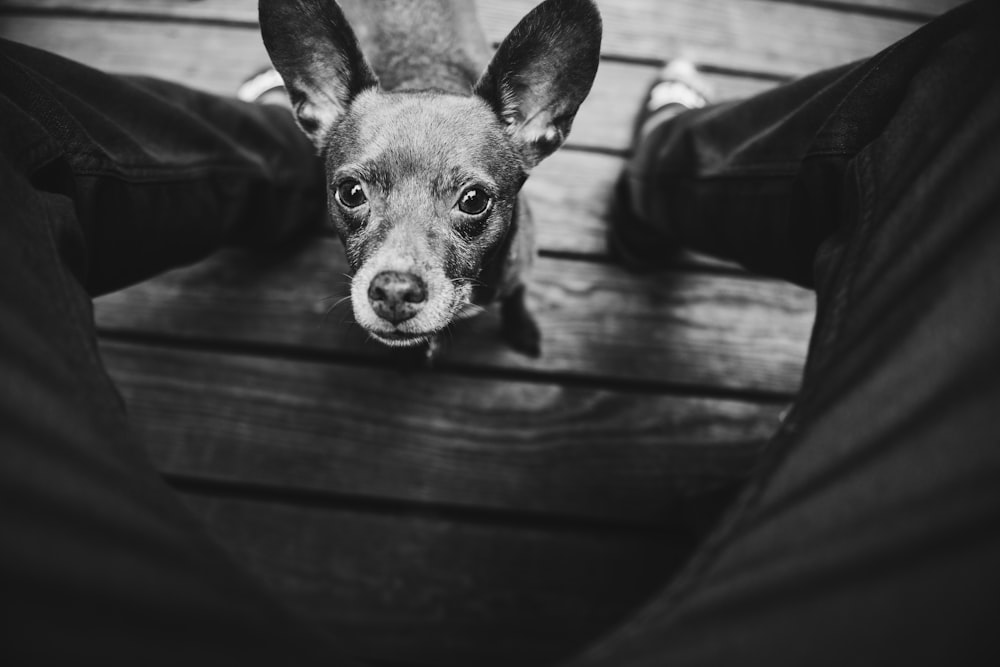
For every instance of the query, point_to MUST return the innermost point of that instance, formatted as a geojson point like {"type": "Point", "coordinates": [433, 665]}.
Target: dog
{"type": "Point", "coordinates": [427, 140]}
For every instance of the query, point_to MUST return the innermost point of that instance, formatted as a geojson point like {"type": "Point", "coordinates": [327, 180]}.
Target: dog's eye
{"type": "Point", "coordinates": [474, 201]}
{"type": "Point", "coordinates": [350, 194]}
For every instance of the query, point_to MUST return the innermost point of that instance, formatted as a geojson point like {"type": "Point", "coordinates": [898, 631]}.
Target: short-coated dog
{"type": "Point", "coordinates": [427, 137]}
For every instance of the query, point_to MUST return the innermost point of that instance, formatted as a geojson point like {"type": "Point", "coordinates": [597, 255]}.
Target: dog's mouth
{"type": "Point", "coordinates": [400, 307]}
{"type": "Point", "coordinates": [400, 338]}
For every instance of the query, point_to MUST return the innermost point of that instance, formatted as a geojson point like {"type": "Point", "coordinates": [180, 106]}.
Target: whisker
{"type": "Point", "coordinates": [333, 307]}
{"type": "Point", "coordinates": [470, 309]}
{"type": "Point", "coordinates": [348, 281]}
{"type": "Point", "coordinates": [461, 282]}
{"type": "Point", "coordinates": [340, 301]}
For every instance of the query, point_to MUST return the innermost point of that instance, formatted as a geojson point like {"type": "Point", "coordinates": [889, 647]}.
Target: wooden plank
{"type": "Point", "coordinates": [605, 118]}
{"type": "Point", "coordinates": [419, 589]}
{"type": "Point", "coordinates": [745, 35]}
{"type": "Point", "coordinates": [597, 321]}
{"type": "Point", "coordinates": [570, 195]}
{"type": "Point", "coordinates": [208, 57]}
{"type": "Point", "coordinates": [218, 59]}
{"type": "Point", "coordinates": [418, 435]}
{"type": "Point", "coordinates": [918, 7]}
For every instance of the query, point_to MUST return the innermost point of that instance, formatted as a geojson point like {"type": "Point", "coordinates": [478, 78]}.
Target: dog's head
{"type": "Point", "coordinates": [422, 184]}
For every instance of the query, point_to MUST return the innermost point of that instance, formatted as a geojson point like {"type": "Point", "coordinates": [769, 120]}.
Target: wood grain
{"type": "Point", "coordinates": [746, 35]}
{"type": "Point", "coordinates": [427, 436]}
{"type": "Point", "coordinates": [418, 589]}
{"type": "Point", "coordinates": [597, 321]}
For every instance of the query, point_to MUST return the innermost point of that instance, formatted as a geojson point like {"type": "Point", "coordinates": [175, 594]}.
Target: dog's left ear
{"type": "Point", "coordinates": [541, 74]}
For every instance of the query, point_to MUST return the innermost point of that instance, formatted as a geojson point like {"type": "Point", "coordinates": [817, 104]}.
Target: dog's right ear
{"type": "Point", "coordinates": [541, 74]}
{"type": "Point", "coordinates": [318, 57]}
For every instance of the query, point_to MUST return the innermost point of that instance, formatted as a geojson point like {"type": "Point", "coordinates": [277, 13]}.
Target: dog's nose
{"type": "Point", "coordinates": [397, 296]}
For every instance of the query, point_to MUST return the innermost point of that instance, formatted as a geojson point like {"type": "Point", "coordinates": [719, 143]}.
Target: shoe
{"type": "Point", "coordinates": [678, 87]}
{"type": "Point", "coordinates": [264, 87]}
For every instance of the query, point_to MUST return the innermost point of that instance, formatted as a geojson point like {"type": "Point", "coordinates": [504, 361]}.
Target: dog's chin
{"type": "Point", "coordinates": [400, 339]}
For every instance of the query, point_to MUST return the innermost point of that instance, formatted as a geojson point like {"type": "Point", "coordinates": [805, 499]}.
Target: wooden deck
{"type": "Point", "coordinates": [493, 509]}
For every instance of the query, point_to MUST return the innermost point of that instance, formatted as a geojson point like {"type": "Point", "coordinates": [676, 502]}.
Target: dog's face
{"type": "Point", "coordinates": [422, 185]}
{"type": "Point", "coordinates": [421, 189]}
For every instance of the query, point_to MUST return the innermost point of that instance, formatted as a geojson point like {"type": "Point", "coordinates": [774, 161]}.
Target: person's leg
{"type": "Point", "coordinates": [103, 181]}
{"type": "Point", "coordinates": [759, 181]}
{"type": "Point", "coordinates": [871, 533]}
{"type": "Point", "coordinates": [159, 174]}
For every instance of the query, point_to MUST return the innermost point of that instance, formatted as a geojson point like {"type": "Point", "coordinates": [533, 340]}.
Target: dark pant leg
{"type": "Point", "coordinates": [871, 533]}
{"type": "Point", "coordinates": [761, 180]}
{"type": "Point", "coordinates": [159, 174]}
{"type": "Point", "coordinates": [99, 563]}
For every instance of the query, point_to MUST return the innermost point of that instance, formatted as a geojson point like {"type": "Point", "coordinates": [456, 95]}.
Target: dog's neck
{"type": "Point", "coordinates": [420, 44]}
